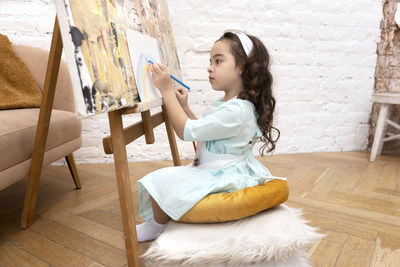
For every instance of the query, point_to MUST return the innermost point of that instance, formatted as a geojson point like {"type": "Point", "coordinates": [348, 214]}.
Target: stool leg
{"type": "Point", "coordinates": [379, 132]}
{"type": "Point", "coordinates": [389, 112]}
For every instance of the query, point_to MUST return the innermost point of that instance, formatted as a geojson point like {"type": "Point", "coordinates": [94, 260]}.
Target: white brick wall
{"type": "Point", "coordinates": [323, 62]}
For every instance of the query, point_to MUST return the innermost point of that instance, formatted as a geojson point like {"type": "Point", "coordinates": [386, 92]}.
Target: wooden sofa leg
{"type": "Point", "coordinates": [74, 172]}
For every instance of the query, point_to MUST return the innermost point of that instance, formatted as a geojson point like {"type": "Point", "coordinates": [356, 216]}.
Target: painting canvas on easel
{"type": "Point", "coordinates": [95, 43]}
{"type": "Point", "coordinates": [143, 48]}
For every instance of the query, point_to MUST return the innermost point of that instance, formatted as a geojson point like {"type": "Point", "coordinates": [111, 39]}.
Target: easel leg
{"type": "Point", "coordinates": [46, 106]}
{"type": "Point", "coordinates": [124, 187]}
{"type": "Point", "coordinates": [147, 127]}
{"type": "Point", "coordinates": [171, 138]}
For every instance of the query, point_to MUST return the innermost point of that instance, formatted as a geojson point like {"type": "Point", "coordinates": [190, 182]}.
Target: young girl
{"type": "Point", "coordinates": [239, 66]}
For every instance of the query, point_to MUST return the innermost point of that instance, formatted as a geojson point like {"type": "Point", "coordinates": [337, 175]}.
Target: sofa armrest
{"type": "Point", "coordinates": [36, 61]}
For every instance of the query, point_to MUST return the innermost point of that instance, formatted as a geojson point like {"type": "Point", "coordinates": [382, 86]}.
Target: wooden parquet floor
{"type": "Point", "coordinates": [354, 202]}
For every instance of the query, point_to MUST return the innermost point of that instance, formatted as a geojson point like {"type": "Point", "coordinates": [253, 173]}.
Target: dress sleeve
{"type": "Point", "coordinates": [223, 123]}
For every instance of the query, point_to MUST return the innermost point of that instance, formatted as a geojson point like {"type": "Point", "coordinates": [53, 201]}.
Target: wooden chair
{"type": "Point", "coordinates": [386, 100]}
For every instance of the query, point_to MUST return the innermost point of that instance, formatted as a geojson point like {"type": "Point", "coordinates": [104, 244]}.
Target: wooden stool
{"type": "Point", "coordinates": [386, 100]}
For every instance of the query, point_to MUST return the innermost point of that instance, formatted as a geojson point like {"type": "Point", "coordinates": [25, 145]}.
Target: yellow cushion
{"type": "Point", "coordinates": [223, 207]}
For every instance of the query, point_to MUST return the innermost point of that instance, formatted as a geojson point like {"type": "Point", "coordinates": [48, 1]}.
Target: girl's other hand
{"type": "Point", "coordinates": [182, 96]}
{"type": "Point", "coordinates": [160, 76]}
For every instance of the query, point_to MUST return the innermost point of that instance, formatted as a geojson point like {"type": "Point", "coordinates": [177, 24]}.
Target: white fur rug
{"type": "Point", "coordinates": [278, 237]}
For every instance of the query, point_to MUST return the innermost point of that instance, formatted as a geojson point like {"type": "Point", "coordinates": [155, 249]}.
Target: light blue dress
{"type": "Point", "coordinates": [231, 128]}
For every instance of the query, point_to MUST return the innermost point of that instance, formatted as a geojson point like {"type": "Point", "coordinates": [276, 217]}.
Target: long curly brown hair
{"type": "Point", "coordinates": [257, 83]}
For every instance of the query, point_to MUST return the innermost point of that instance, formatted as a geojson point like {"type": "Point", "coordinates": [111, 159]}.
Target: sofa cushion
{"type": "Point", "coordinates": [36, 60]}
{"type": "Point", "coordinates": [18, 129]}
{"type": "Point", "coordinates": [18, 89]}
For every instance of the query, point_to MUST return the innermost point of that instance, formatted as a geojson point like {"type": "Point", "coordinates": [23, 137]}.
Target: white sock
{"type": "Point", "coordinates": [149, 230]}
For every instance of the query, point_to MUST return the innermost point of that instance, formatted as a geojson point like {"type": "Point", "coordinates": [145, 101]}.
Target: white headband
{"type": "Point", "coordinates": [246, 42]}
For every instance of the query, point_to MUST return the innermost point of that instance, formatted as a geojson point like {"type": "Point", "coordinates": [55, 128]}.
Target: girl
{"type": "Point", "coordinates": [239, 66]}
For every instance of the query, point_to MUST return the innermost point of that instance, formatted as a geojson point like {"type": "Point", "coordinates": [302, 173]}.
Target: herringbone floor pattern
{"type": "Point", "coordinates": [354, 202]}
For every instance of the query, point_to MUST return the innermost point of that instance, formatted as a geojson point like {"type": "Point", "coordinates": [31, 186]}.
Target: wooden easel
{"type": "Point", "coordinates": [42, 130]}
{"type": "Point", "coordinates": [113, 144]}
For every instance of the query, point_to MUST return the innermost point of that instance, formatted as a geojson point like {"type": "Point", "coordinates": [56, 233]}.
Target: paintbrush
{"type": "Point", "coordinates": [172, 76]}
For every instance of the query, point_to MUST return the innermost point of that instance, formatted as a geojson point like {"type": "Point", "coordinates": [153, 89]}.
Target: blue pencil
{"type": "Point", "coordinates": [173, 77]}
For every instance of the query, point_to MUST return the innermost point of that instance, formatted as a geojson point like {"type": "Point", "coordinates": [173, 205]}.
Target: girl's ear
{"type": "Point", "coordinates": [240, 70]}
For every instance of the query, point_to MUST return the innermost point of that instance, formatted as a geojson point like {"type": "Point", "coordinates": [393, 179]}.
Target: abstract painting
{"type": "Point", "coordinates": [95, 44]}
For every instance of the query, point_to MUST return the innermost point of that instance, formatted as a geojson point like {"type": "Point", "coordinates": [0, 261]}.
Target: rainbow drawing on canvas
{"type": "Point", "coordinates": [145, 73]}
{"type": "Point", "coordinates": [143, 48]}
{"type": "Point", "coordinates": [145, 85]}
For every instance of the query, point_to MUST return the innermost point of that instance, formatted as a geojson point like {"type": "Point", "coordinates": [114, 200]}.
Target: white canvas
{"type": "Point", "coordinates": [142, 47]}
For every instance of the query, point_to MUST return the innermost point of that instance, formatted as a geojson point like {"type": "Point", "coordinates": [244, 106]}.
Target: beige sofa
{"type": "Point", "coordinates": [18, 126]}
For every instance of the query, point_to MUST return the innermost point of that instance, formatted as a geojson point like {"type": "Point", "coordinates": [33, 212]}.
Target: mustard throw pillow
{"type": "Point", "coordinates": [18, 89]}
{"type": "Point", "coordinates": [223, 207]}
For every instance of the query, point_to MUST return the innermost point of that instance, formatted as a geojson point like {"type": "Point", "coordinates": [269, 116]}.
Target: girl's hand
{"type": "Point", "coordinates": [182, 96]}
{"type": "Point", "coordinates": [161, 77]}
